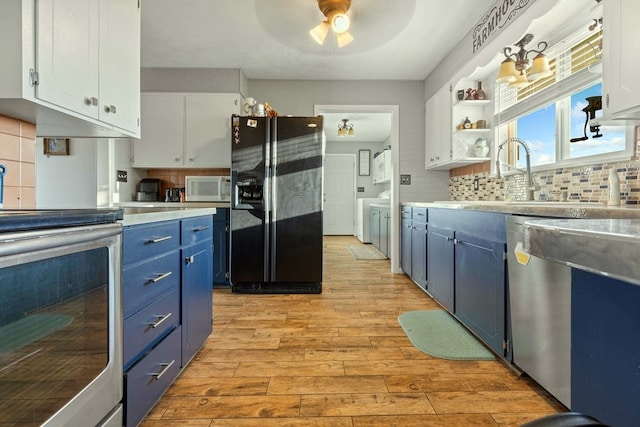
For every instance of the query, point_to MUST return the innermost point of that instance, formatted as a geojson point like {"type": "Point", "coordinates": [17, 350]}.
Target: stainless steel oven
{"type": "Point", "coordinates": [61, 326]}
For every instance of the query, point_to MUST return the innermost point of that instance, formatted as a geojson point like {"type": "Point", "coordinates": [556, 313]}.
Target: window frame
{"type": "Point", "coordinates": [560, 94]}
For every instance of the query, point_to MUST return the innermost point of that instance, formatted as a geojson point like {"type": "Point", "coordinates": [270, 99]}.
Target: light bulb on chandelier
{"type": "Point", "coordinates": [346, 129]}
{"type": "Point", "coordinates": [335, 12]}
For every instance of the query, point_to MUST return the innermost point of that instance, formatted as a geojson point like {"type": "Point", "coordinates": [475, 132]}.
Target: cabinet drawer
{"type": "Point", "coordinates": [145, 241]}
{"type": "Point", "coordinates": [419, 214]}
{"type": "Point", "coordinates": [197, 229]}
{"type": "Point", "coordinates": [146, 327]}
{"type": "Point", "coordinates": [151, 376]}
{"type": "Point", "coordinates": [407, 212]}
{"type": "Point", "coordinates": [143, 283]}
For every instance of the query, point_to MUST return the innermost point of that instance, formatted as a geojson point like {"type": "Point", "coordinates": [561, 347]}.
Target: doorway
{"type": "Point", "coordinates": [393, 142]}
{"type": "Point", "coordinates": [339, 194]}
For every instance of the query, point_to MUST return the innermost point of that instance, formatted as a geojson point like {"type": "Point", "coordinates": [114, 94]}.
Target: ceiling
{"type": "Point", "coordinates": [269, 39]}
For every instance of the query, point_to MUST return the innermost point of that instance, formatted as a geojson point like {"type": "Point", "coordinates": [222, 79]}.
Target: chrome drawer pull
{"type": "Point", "coordinates": [159, 277]}
{"type": "Point", "coordinates": [164, 370]}
{"type": "Point", "coordinates": [161, 317]}
{"type": "Point", "coordinates": [202, 228]}
{"type": "Point", "coordinates": [159, 239]}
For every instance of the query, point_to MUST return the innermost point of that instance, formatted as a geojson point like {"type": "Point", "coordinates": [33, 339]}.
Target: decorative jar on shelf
{"type": "Point", "coordinates": [479, 93]}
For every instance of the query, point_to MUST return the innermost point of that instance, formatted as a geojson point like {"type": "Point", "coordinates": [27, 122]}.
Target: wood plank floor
{"type": "Point", "coordinates": [338, 359]}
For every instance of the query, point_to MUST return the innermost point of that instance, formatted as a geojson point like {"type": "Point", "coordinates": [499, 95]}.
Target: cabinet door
{"type": "Point", "coordinates": [405, 239]}
{"type": "Point", "coordinates": [443, 129]}
{"type": "Point", "coordinates": [374, 227]}
{"type": "Point", "coordinates": [221, 247]}
{"type": "Point", "coordinates": [419, 254]}
{"type": "Point", "coordinates": [120, 64]}
{"type": "Point", "coordinates": [431, 137]}
{"type": "Point", "coordinates": [621, 86]}
{"type": "Point", "coordinates": [208, 129]}
{"type": "Point", "coordinates": [480, 288]}
{"type": "Point", "coordinates": [384, 231]}
{"type": "Point", "coordinates": [440, 265]}
{"type": "Point", "coordinates": [67, 54]}
{"type": "Point", "coordinates": [162, 131]}
{"type": "Point", "coordinates": [197, 311]}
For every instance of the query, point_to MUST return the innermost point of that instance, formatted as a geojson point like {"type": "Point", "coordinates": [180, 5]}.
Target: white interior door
{"type": "Point", "coordinates": [339, 194]}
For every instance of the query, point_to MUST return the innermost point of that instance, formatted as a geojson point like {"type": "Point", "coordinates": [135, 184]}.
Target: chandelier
{"type": "Point", "coordinates": [335, 12]}
{"type": "Point", "coordinates": [515, 71]}
{"type": "Point", "coordinates": [346, 129]}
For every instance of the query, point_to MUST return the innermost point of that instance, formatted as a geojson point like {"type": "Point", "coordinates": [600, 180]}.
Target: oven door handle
{"type": "Point", "coordinates": [165, 368]}
{"type": "Point", "coordinates": [21, 242]}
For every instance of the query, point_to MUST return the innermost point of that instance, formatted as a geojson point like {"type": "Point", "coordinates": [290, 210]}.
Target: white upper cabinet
{"type": "Point", "coordinates": [190, 130]}
{"type": "Point", "coordinates": [88, 58]}
{"type": "Point", "coordinates": [381, 172]}
{"type": "Point", "coordinates": [449, 143]}
{"type": "Point", "coordinates": [72, 67]}
{"type": "Point", "coordinates": [621, 41]}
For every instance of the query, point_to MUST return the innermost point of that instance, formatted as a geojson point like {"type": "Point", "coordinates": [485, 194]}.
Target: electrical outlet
{"type": "Point", "coordinates": [360, 189]}
{"type": "Point", "coordinates": [476, 184]}
{"type": "Point", "coordinates": [405, 179]}
{"type": "Point", "coordinates": [122, 176]}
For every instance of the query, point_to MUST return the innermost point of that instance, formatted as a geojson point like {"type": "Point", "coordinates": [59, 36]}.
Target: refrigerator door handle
{"type": "Point", "coordinates": [267, 205]}
{"type": "Point", "coordinates": [273, 181]}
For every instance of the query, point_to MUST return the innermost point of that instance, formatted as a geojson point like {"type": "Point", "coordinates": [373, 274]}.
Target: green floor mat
{"type": "Point", "coordinates": [439, 334]}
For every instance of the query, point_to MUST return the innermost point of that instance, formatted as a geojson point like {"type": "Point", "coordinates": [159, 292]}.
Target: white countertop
{"type": "Point", "coordinates": [540, 208]}
{"type": "Point", "coordinates": [143, 215]}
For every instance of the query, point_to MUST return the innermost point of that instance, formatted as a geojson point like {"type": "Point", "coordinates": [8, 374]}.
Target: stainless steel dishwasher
{"type": "Point", "coordinates": [540, 305]}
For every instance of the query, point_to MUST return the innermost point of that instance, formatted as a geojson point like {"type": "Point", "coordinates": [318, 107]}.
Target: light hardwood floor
{"type": "Point", "coordinates": [338, 359]}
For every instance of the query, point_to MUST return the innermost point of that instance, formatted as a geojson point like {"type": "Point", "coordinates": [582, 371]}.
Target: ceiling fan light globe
{"type": "Point", "coordinates": [340, 23]}
{"type": "Point", "coordinates": [344, 39]}
{"type": "Point", "coordinates": [319, 32]}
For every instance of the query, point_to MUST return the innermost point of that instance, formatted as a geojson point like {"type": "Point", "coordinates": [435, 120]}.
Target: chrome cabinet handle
{"type": "Point", "coordinates": [110, 109]}
{"type": "Point", "coordinates": [201, 228]}
{"type": "Point", "coordinates": [159, 239]}
{"type": "Point", "coordinates": [190, 259]}
{"type": "Point", "coordinates": [161, 318]}
{"type": "Point", "coordinates": [159, 277]}
{"type": "Point", "coordinates": [91, 100]}
{"type": "Point", "coordinates": [163, 371]}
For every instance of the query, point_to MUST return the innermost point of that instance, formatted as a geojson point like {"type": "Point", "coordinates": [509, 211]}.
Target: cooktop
{"type": "Point", "coordinates": [33, 219]}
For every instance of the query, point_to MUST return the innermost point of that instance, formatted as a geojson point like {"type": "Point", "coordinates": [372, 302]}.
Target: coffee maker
{"type": "Point", "coordinates": [148, 190]}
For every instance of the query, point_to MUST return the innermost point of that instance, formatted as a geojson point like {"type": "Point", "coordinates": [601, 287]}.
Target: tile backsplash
{"type": "Point", "coordinates": [17, 154]}
{"type": "Point", "coordinates": [580, 183]}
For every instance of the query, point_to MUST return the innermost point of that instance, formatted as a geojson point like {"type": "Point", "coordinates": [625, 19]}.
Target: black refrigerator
{"type": "Point", "coordinates": [276, 204]}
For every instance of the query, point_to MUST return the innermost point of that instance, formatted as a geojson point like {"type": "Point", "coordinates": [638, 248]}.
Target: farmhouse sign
{"type": "Point", "coordinates": [503, 13]}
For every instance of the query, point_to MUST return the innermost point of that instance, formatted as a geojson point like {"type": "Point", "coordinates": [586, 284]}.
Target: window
{"type": "Point", "coordinates": [548, 113]}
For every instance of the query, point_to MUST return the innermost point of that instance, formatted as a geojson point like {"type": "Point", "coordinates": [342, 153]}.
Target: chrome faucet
{"type": "Point", "coordinates": [531, 184]}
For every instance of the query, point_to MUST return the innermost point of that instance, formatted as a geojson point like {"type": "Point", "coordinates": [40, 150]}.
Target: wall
{"type": "Point", "coordinates": [17, 154]}
{"type": "Point", "coordinates": [66, 182]}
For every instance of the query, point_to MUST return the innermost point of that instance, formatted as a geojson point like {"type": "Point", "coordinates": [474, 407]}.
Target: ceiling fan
{"type": "Point", "coordinates": [335, 12]}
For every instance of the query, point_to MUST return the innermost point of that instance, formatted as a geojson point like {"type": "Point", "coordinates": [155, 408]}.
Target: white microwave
{"type": "Point", "coordinates": [207, 188]}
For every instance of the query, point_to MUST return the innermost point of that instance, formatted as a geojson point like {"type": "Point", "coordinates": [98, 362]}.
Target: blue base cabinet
{"type": "Point", "coordinates": [167, 276]}
{"type": "Point", "coordinates": [605, 350]}
{"type": "Point", "coordinates": [221, 247]}
{"type": "Point", "coordinates": [414, 244]}
{"type": "Point", "coordinates": [441, 265]}
{"type": "Point", "coordinates": [480, 271]}
{"type": "Point", "coordinates": [405, 240]}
